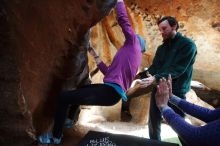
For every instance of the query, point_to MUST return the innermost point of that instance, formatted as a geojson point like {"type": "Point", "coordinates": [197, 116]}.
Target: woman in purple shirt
{"type": "Point", "coordinates": [117, 78]}
{"type": "Point", "coordinates": [207, 135]}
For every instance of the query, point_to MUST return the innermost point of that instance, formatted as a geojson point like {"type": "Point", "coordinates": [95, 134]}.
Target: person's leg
{"type": "Point", "coordinates": [125, 111]}
{"type": "Point", "coordinates": [74, 111]}
{"type": "Point", "coordinates": [176, 109]}
{"type": "Point", "coordinates": [180, 112]}
{"type": "Point", "coordinates": [73, 115]}
{"type": "Point", "coordinates": [94, 94]}
{"type": "Point", "coordinates": [154, 118]}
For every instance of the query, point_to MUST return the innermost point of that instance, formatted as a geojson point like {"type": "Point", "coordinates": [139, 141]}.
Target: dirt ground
{"type": "Point", "coordinates": [127, 128]}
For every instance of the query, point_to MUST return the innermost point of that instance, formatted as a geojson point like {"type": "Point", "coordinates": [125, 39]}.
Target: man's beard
{"type": "Point", "coordinates": [167, 37]}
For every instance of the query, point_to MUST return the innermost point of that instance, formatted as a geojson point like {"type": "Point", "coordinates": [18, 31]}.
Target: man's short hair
{"type": "Point", "coordinates": [171, 20]}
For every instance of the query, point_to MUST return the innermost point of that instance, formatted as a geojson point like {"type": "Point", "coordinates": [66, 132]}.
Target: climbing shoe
{"type": "Point", "coordinates": [48, 139]}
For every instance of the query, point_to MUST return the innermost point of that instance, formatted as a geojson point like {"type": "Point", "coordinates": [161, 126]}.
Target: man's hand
{"type": "Point", "coordinates": [162, 94]}
{"type": "Point", "coordinates": [145, 82]}
{"type": "Point", "coordinates": [143, 74]}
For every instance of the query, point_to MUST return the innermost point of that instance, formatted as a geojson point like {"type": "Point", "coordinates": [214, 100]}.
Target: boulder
{"type": "Point", "coordinates": [42, 52]}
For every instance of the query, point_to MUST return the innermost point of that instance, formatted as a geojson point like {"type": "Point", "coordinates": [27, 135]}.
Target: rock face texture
{"type": "Point", "coordinates": [42, 51]}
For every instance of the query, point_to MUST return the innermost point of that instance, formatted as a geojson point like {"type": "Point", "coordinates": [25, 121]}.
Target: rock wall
{"type": "Point", "coordinates": [42, 51]}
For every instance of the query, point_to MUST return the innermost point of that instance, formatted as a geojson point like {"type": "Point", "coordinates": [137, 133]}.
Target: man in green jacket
{"type": "Point", "coordinates": [175, 56]}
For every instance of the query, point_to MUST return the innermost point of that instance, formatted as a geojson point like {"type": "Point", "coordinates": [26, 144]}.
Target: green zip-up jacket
{"type": "Point", "coordinates": [175, 57]}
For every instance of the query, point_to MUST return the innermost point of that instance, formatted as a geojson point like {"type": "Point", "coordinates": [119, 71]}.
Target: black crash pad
{"type": "Point", "coordinates": [94, 138]}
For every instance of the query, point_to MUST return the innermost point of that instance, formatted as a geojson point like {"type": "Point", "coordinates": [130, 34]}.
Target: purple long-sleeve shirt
{"type": "Point", "coordinates": [207, 135]}
{"type": "Point", "coordinates": [125, 63]}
